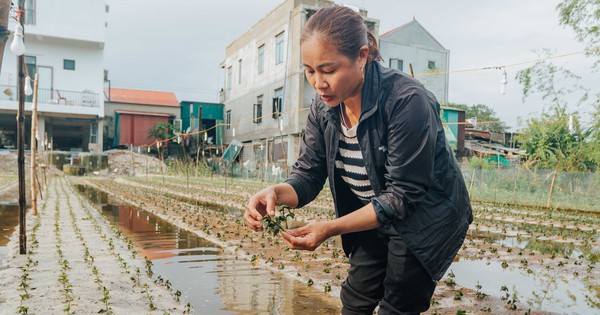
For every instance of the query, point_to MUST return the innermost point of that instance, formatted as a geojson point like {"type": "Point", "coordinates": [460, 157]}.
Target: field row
{"type": "Point", "coordinates": [213, 209]}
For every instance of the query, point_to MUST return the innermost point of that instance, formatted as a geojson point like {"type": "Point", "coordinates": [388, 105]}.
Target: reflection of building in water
{"type": "Point", "coordinates": [9, 219]}
{"type": "Point", "coordinates": [135, 224]}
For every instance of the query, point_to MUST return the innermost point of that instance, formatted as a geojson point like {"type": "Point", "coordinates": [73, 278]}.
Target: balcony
{"type": "Point", "coordinates": [54, 96]}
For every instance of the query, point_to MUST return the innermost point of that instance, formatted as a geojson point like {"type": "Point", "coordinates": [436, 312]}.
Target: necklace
{"type": "Point", "coordinates": [342, 113]}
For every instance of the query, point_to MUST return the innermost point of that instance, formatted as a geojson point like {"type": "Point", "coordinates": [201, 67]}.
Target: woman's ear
{"type": "Point", "coordinates": [363, 55]}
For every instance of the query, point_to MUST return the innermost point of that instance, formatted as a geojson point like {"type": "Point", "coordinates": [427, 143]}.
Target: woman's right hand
{"type": "Point", "coordinates": [260, 204]}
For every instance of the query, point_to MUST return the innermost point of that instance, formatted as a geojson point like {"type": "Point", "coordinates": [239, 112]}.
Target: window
{"type": "Point", "coordinates": [279, 48]}
{"type": "Point", "coordinates": [431, 64]}
{"type": "Point", "coordinates": [31, 64]}
{"type": "Point", "coordinates": [396, 63]}
{"type": "Point", "coordinates": [228, 120]}
{"type": "Point", "coordinates": [94, 132]}
{"type": "Point", "coordinates": [258, 110]}
{"type": "Point", "coordinates": [229, 78]}
{"type": "Point", "coordinates": [69, 64]}
{"type": "Point", "coordinates": [261, 59]}
{"type": "Point", "coordinates": [240, 71]}
{"type": "Point", "coordinates": [29, 12]}
{"type": "Point", "coordinates": [277, 103]}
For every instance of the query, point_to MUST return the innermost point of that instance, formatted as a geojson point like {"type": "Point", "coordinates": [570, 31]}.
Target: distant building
{"type": "Point", "coordinates": [203, 116]}
{"type": "Point", "coordinates": [130, 114]}
{"type": "Point", "coordinates": [265, 94]}
{"type": "Point", "coordinates": [412, 44]}
{"type": "Point", "coordinates": [64, 42]}
{"type": "Point", "coordinates": [454, 127]}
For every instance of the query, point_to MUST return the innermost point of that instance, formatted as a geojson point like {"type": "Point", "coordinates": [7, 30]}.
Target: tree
{"type": "Point", "coordinates": [483, 113]}
{"type": "Point", "coordinates": [161, 132]}
{"type": "Point", "coordinates": [583, 16]}
{"type": "Point", "coordinates": [558, 139]}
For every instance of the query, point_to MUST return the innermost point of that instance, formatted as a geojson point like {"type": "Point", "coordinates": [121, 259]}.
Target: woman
{"type": "Point", "coordinates": [401, 203]}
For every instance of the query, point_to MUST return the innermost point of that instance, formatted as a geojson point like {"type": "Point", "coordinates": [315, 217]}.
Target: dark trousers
{"type": "Point", "coordinates": [384, 272]}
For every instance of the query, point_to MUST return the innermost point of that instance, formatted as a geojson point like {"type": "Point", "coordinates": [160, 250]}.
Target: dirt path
{"type": "Point", "coordinates": [77, 264]}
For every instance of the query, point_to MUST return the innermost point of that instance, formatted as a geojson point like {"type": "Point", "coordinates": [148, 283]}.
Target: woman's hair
{"type": "Point", "coordinates": [344, 28]}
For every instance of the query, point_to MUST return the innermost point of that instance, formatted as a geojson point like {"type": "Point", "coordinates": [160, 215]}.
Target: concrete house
{"type": "Point", "coordinates": [412, 44]}
{"type": "Point", "coordinates": [130, 114]}
{"type": "Point", "coordinates": [64, 42]}
{"type": "Point", "coordinates": [266, 96]}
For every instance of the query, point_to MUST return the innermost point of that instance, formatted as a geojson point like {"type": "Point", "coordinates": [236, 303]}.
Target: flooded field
{"type": "Point", "coordinates": [212, 280]}
{"type": "Point", "coordinates": [9, 220]}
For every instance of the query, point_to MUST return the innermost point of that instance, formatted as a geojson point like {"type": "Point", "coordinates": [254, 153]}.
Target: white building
{"type": "Point", "coordinates": [64, 42]}
{"type": "Point", "coordinates": [266, 96]}
{"type": "Point", "coordinates": [411, 44]}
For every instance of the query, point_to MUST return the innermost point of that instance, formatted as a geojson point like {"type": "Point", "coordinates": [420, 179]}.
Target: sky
{"type": "Point", "coordinates": [178, 47]}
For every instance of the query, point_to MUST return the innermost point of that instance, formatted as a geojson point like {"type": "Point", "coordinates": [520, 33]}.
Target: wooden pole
{"type": "Point", "coordinates": [472, 180]}
{"type": "Point", "coordinates": [34, 123]}
{"type": "Point", "coordinates": [551, 189]}
{"type": "Point", "coordinates": [21, 149]}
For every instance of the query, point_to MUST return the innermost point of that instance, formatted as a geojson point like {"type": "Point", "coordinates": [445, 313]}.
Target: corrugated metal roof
{"type": "Point", "coordinates": [141, 97]}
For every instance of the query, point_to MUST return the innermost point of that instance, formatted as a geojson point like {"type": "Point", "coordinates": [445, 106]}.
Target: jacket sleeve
{"type": "Point", "coordinates": [310, 170]}
{"type": "Point", "coordinates": [409, 167]}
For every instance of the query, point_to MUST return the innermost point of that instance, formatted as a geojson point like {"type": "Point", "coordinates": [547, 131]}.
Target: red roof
{"type": "Point", "coordinates": [131, 112]}
{"type": "Point", "coordinates": [141, 97]}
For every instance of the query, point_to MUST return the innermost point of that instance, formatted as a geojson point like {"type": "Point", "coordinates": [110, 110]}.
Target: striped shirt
{"type": "Point", "coordinates": [350, 165]}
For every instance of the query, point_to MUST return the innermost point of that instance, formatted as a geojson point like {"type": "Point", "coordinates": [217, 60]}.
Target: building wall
{"type": "Point", "coordinates": [413, 45]}
{"type": "Point", "coordinates": [70, 19]}
{"type": "Point", "coordinates": [63, 29]}
{"type": "Point", "coordinates": [239, 98]}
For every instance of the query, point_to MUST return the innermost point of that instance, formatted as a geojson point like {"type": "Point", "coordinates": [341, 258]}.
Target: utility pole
{"type": "Point", "coordinates": [21, 144]}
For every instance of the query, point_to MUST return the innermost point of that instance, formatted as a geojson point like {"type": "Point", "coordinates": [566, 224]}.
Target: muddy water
{"type": "Point", "coordinates": [548, 290]}
{"type": "Point", "coordinates": [9, 221]}
{"type": "Point", "coordinates": [214, 282]}
{"type": "Point", "coordinates": [559, 249]}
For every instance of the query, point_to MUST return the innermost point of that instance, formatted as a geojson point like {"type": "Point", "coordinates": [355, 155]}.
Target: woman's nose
{"type": "Point", "coordinates": [320, 84]}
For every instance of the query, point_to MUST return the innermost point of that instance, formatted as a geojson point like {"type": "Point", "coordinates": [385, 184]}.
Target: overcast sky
{"type": "Point", "coordinates": [177, 45]}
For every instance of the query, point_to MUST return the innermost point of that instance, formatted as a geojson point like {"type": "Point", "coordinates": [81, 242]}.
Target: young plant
{"type": "Point", "coordinates": [273, 225]}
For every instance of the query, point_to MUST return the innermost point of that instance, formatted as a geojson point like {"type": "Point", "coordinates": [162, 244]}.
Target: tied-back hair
{"type": "Point", "coordinates": [345, 29]}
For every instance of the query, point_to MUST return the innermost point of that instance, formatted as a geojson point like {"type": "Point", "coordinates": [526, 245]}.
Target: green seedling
{"type": "Point", "coordinates": [273, 225]}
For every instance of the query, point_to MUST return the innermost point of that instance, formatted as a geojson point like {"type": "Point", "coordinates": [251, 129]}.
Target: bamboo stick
{"type": "Point", "coordinates": [33, 145]}
{"type": "Point", "coordinates": [551, 188]}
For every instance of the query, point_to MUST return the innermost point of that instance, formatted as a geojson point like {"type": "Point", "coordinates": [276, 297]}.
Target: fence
{"type": "Point", "coordinates": [538, 188]}
{"type": "Point", "coordinates": [54, 96]}
{"type": "Point", "coordinates": [516, 185]}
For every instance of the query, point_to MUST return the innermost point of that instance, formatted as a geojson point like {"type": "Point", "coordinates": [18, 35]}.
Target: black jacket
{"type": "Point", "coordinates": [417, 182]}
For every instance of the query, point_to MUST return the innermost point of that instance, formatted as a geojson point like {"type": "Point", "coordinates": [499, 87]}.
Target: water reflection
{"type": "Point", "coordinates": [9, 221]}
{"type": "Point", "coordinates": [540, 290]}
{"type": "Point", "coordinates": [539, 244]}
{"type": "Point", "coordinates": [213, 281]}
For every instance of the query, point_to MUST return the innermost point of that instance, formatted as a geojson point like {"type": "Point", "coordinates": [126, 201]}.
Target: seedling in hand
{"type": "Point", "coordinates": [273, 225]}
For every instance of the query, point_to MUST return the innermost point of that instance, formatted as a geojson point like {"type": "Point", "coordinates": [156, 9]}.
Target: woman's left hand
{"type": "Point", "coordinates": [308, 237]}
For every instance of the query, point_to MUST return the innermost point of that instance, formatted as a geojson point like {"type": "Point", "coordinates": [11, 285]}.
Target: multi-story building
{"type": "Point", "coordinates": [266, 96]}
{"type": "Point", "coordinates": [64, 42]}
{"type": "Point", "coordinates": [412, 45]}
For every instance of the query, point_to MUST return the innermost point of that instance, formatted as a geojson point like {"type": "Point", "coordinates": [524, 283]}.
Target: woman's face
{"type": "Point", "coordinates": [334, 76]}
